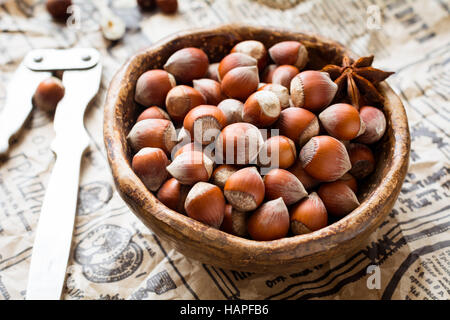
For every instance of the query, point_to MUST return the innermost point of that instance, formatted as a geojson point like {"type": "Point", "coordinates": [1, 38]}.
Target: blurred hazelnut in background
{"type": "Point", "coordinates": [48, 94]}
{"type": "Point", "coordinates": [58, 8]}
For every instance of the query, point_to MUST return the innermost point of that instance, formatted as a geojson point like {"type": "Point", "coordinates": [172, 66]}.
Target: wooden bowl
{"type": "Point", "coordinates": [209, 245]}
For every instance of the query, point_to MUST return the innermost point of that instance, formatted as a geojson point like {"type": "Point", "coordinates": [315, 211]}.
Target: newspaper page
{"type": "Point", "coordinates": [114, 256]}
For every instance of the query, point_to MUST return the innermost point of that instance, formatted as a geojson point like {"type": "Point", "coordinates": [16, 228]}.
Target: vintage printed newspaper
{"type": "Point", "coordinates": [114, 256]}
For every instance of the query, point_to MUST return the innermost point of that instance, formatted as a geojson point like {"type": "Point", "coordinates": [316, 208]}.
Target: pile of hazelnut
{"type": "Point", "coordinates": [263, 160]}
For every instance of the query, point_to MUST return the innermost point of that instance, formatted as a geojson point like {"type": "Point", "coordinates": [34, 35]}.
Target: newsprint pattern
{"type": "Point", "coordinates": [115, 257]}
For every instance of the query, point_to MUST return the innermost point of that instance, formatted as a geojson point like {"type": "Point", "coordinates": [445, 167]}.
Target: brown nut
{"type": "Point", "coordinates": [177, 150]}
{"type": "Point", "coordinates": [153, 113]}
{"type": "Point", "coordinates": [298, 124]}
{"type": "Point", "coordinates": [187, 64]}
{"type": "Point", "coordinates": [234, 222]}
{"type": "Point", "coordinates": [150, 164]}
{"type": "Point", "coordinates": [156, 133]}
{"type": "Point", "coordinates": [234, 60]}
{"type": "Point", "coordinates": [58, 8]}
{"type": "Point", "coordinates": [269, 222]}
{"type": "Point", "coordinates": [238, 143]}
{"type": "Point", "coordinates": [152, 87]}
{"type": "Point", "coordinates": [289, 52]}
{"type": "Point", "coordinates": [210, 89]}
{"type": "Point", "coordinates": [281, 183]}
{"type": "Point", "coordinates": [277, 152]}
{"type": "Point", "coordinates": [375, 123]}
{"type": "Point", "coordinates": [173, 194]}
{"type": "Point", "coordinates": [325, 158]}
{"type": "Point", "coordinates": [240, 82]}
{"type": "Point", "coordinates": [281, 92]}
{"type": "Point", "coordinates": [254, 49]}
{"type": "Point", "coordinates": [244, 189]}
{"type": "Point", "coordinates": [232, 109]}
{"type": "Point", "coordinates": [284, 74]}
{"type": "Point", "coordinates": [362, 160]}
{"type": "Point", "coordinates": [342, 121]}
{"type": "Point", "coordinates": [312, 90]}
{"type": "Point", "coordinates": [191, 167]}
{"type": "Point", "coordinates": [167, 6]}
{"type": "Point", "coordinates": [261, 109]}
{"type": "Point", "coordinates": [181, 99]}
{"type": "Point", "coordinates": [308, 215]}
{"type": "Point", "coordinates": [350, 180]}
{"type": "Point", "coordinates": [338, 198]}
{"type": "Point", "coordinates": [221, 174]}
{"type": "Point", "coordinates": [146, 5]}
{"type": "Point", "coordinates": [205, 203]}
{"type": "Point", "coordinates": [268, 73]}
{"type": "Point", "coordinates": [204, 123]}
{"type": "Point", "coordinates": [307, 181]}
{"type": "Point", "coordinates": [48, 94]}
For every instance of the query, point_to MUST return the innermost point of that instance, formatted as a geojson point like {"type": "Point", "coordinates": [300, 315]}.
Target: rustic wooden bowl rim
{"type": "Point", "coordinates": [327, 238]}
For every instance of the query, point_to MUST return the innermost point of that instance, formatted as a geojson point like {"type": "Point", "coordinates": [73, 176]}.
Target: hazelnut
{"type": "Point", "coordinates": [308, 215]}
{"type": "Point", "coordinates": [232, 109]}
{"type": "Point", "coordinates": [213, 72]}
{"type": "Point", "coordinates": [325, 158]}
{"type": "Point", "coordinates": [187, 64]}
{"type": "Point", "coordinates": [48, 94]}
{"type": "Point", "coordinates": [234, 222]}
{"type": "Point", "coordinates": [269, 222]}
{"type": "Point", "coordinates": [152, 87]}
{"type": "Point", "coordinates": [289, 52]}
{"type": "Point", "coordinates": [375, 123]}
{"type": "Point", "coordinates": [244, 189]}
{"type": "Point", "coordinates": [156, 133]}
{"type": "Point", "coordinates": [240, 82]}
{"type": "Point", "coordinates": [281, 183]}
{"type": "Point", "coordinates": [191, 167]}
{"type": "Point", "coordinates": [193, 146]}
{"type": "Point", "coordinates": [268, 73]}
{"type": "Point", "coordinates": [298, 124]}
{"type": "Point", "coordinates": [173, 194]}
{"type": "Point", "coordinates": [221, 174]}
{"type": "Point", "coordinates": [210, 89]}
{"type": "Point", "coordinates": [277, 152]}
{"type": "Point", "coordinates": [338, 198]}
{"type": "Point", "coordinates": [167, 6]}
{"type": "Point", "coordinates": [362, 160]}
{"type": "Point", "coordinates": [281, 92]}
{"type": "Point", "coordinates": [312, 90]}
{"type": "Point", "coordinates": [205, 203]}
{"type": "Point", "coordinates": [181, 99]}
{"type": "Point", "coordinates": [238, 143]}
{"type": "Point", "coordinates": [342, 121]}
{"type": "Point", "coordinates": [284, 74]}
{"type": "Point", "coordinates": [112, 26]}
{"type": "Point", "coordinates": [307, 181]}
{"type": "Point", "coordinates": [262, 108]}
{"type": "Point", "coordinates": [146, 5]}
{"type": "Point", "coordinates": [234, 60]}
{"type": "Point", "coordinates": [253, 48]}
{"type": "Point", "coordinates": [350, 180]}
{"type": "Point", "coordinates": [204, 123]}
{"type": "Point", "coordinates": [153, 113]}
{"type": "Point", "coordinates": [58, 8]}
{"type": "Point", "coordinates": [150, 164]}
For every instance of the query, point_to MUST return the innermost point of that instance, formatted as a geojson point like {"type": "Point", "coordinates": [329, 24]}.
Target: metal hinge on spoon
{"type": "Point", "coordinates": [81, 78]}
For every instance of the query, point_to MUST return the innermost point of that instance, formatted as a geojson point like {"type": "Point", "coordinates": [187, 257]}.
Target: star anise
{"type": "Point", "coordinates": [357, 78]}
